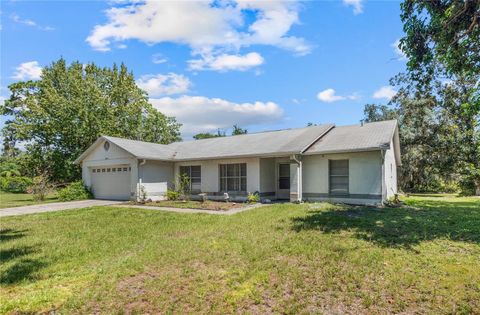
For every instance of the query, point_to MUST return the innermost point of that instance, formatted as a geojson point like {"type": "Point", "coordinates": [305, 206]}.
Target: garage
{"type": "Point", "coordinates": [111, 182]}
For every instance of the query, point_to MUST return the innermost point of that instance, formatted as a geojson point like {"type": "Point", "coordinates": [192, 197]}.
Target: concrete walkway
{"type": "Point", "coordinates": [189, 210]}
{"type": "Point", "coordinates": [56, 206]}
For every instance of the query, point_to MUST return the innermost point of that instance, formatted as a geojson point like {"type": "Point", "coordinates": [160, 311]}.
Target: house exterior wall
{"type": "Point", "coordinates": [365, 177]}
{"type": "Point", "coordinates": [114, 156]}
{"type": "Point", "coordinates": [390, 172]}
{"type": "Point", "coordinates": [210, 177]}
{"type": "Point", "coordinates": [156, 177]}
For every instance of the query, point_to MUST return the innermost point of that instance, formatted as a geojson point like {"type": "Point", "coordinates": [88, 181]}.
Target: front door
{"type": "Point", "coordinates": [283, 182]}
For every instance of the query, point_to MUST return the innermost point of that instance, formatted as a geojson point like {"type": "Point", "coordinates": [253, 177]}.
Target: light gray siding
{"type": "Point", "coordinates": [268, 175]}
{"type": "Point", "coordinates": [155, 177]}
{"type": "Point", "coordinates": [113, 156]}
{"type": "Point", "coordinates": [365, 177]}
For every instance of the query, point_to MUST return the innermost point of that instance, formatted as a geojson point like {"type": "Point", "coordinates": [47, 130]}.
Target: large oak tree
{"type": "Point", "coordinates": [60, 115]}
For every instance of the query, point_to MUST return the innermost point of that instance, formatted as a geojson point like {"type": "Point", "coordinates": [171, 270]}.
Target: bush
{"type": "Point", "coordinates": [75, 191]}
{"type": "Point", "coordinates": [15, 184]}
{"type": "Point", "coordinates": [172, 195]}
{"type": "Point", "coordinates": [40, 188]}
{"type": "Point", "coordinates": [253, 198]}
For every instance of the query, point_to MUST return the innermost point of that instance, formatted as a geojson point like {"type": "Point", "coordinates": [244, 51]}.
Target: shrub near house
{"type": "Point", "coordinates": [74, 191]}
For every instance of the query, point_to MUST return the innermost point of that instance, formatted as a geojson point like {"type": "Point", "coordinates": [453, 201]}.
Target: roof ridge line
{"type": "Point", "coordinates": [332, 126]}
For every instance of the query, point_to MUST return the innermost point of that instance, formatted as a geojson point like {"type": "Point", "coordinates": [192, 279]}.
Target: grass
{"type": "Point", "coordinates": [8, 200]}
{"type": "Point", "coordinates": [283, 258]}
{"type": "Point", "coordinates": [192, 204]}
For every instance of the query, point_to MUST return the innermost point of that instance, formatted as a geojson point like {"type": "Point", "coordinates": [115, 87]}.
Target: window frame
{"type": "Point", "coordinates": [189, 174]}
{"type": "Point", "coordinates": [224, 178]}
{"type": "Point", "coordinates": [347, 176]}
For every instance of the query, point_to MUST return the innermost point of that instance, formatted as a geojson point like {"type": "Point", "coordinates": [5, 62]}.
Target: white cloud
{"type": "Point", "coordinates": [226, 62]}
{"type": "Point", "coordinates": [398, 52]}
{"type": "Point", "coordinates": [17, 19]}
{"type": "Point", "coordinates": [210, 28]}
{"type": "Point", "coordinates": [158, 59]}
{"type": "Point", "coordinates": [330, 96]}
{"type": "Point", "coordinates": [164, 84]}
{"type": "Point", "coordinates": [355, 4]}
{"type": "Point", "coordinates": [28, 71]}
{"type": "Point", "coordinates": [203, 114]}
{"type": "Point", "coordinates": [386, 92]}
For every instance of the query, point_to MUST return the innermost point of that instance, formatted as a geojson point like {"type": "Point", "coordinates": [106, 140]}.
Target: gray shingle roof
{"type": "Point", "coordinates": [144, 150]}
{"type": "Point", "coordinates": [310, 140]}
{"type": "Point", "coordinates": [355, 138]}
{"type": "Point", "coordinates": [263, 143]}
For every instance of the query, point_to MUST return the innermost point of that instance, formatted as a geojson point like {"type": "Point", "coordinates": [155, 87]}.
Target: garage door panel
{"type": "Point", "coordinates": [112, 182]}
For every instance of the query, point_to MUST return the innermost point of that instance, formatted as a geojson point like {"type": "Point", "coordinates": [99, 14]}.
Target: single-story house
{"type": "Point", "coordinates": [352, 164]}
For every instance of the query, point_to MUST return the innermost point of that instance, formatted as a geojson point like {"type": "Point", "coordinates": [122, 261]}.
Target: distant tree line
{"type": "Point", "coordinates": [236, 130]}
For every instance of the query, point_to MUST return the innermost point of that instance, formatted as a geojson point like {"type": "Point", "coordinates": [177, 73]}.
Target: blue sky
{"type": "Point", "coordinates": [262, 65]}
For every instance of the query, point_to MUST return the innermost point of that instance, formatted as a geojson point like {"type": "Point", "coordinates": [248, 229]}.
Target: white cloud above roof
{"type": "Point", "coordinates": [385, 92]}
{"type": "Point", "coordinates": [17, 19]}
{"type": "Point", "coordinates": [356, 5]}
{"type": "Point", "coordinates": [225, 62]}
{"type": "Point", "coordinates": [330, 96]}
{"type": "Point", "coordinates": [30, 70]}
{"type": "Point", "coordinates": [203, 114]}
{"type": "Point", "coordinates": [164, 84]}
{"type": "Point", "coordinates": [212, 29]}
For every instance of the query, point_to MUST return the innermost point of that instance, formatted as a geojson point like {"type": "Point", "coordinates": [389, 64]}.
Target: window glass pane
{"type": "Point", "coordinates": [243, 185]}
{"type": "Point", "coordinates": [339, 176]}
{"type": "Point", "coordinates": [284, 183]}
{"type": "Point", "coordinates": [230, 170]}
{"type": "Point", "coordinates": [339, 167]}
{"type": "Point", "coordinates": [243, 169]}
{"type": "Point", "coordinates": [284, 170]}
{"type": "Point", "coordinates": [196, 171]}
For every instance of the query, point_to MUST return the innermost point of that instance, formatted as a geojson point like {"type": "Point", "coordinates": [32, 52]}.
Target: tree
{"type": "Point", "coordinates": [238, 131]}
{"type": "Point", "coordinates": [65, 111]}
{"type": "Point", "coordinates": [442, 32]}
{"type": "Point", "coordinates": [442, 43]}
{"type": "Point", "coordinates": [439, 138]}
{"type": "Point", "coordinates": [373, 112]}
{"type": "Point", "coordinates": [207, 135]}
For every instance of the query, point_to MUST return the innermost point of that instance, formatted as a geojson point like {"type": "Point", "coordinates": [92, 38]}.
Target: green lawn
{"type": "Point", "coordinates": [8, 200]}
{"type": "Point", "coordinates": [284, 258]}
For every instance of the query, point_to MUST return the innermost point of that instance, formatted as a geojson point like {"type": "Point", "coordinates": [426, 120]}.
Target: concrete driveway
{"type": "Point", "coordinates": [56, 206]}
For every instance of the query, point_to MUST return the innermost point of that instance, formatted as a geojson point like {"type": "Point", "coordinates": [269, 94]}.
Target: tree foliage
{"type": "Point", "coordinates": [236, 130]}
{"type": "Point", "coordinates": [445, 31]}
{"type": "Point", "coordinates": [438, 102]}
{"type": "Point", "coordinates": [60, 115]}
{"type": "Point", "coordinates": [208, 135]}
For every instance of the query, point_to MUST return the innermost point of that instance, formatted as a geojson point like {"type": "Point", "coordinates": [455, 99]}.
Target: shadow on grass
{"type": "Point", "coordinates": [10, 234]}
{"type": "Point", "coordinates": [22, 270]}
{"type": "Point", "coordinates": [399, 227]}
{"type": "Point", "coordinates": [18, 261]}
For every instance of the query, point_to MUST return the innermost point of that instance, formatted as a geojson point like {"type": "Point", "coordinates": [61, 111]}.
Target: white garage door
{"type": "Point", "coordinates": [112, 182]}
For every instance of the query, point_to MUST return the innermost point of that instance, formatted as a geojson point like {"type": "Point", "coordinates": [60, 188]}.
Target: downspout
{"type": "Point", "coordinates": [140, 175]}
{"type": "Point", "coordinates": [384, 184]}
{"type": "Point", "coordinates": [299, 178]}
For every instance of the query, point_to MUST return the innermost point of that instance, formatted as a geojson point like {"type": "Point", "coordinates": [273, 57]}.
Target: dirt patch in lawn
{"type": "Point", "coordinates": [190, 204]}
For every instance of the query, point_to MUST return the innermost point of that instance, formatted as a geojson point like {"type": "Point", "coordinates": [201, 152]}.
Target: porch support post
{"type": "Point", "coordinates": [298, 194]}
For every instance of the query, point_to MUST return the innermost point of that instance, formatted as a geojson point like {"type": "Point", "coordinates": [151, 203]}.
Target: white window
{"type": "Point", "coordinates": [233, 177]}
{"type": "Point", "coordinates": [194, 174]}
